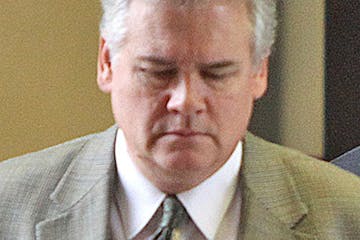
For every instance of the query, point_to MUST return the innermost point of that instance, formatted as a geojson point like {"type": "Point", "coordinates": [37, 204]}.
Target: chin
{"type": "Point", "coordinates": [184, 161]}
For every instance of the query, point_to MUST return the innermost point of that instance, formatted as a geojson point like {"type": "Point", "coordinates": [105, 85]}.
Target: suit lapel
{"type": "Point", "coordinates": [258, 223]}
{"type": "Point", "coordinates": [271, 206]}
{"type": "Point", "coordinates": [82, 197]}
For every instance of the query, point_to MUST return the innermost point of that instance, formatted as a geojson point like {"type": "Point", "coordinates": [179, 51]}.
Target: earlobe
{"type": "Point", "coordinates": [261, 79]}
{"type": "Point", "coordinates": [104, 71]}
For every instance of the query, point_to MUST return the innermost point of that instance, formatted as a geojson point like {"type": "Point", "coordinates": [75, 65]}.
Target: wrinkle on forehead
{"type": "Point", "coordinates": [186, 26]}
{"type": "Point", "coordinates": [190, 9]}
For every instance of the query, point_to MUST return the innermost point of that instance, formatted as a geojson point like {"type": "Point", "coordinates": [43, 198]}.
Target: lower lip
{"type": "Point", "coordinates": [185, 135]}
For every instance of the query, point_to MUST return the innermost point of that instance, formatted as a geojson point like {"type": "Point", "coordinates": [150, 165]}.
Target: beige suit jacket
{"type": "Point", "coordinates": [64, 193]}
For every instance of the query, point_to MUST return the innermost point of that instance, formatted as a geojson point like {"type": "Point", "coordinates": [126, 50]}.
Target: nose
{"type": "Point", "coordinates": [187, 97]}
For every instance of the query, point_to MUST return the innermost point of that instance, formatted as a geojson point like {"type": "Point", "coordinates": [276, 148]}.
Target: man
{"type": "Point", "coordinates": [183, 76]}
{"type": "Point", "coordinates": [350, 161]}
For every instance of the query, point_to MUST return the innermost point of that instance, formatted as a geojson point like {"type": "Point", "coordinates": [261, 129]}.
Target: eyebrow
{"type": "Point", "coordinates": [220, 64]}
{"type": "Point", "coordinates": [156, 60]}
{"type": "Point", "coordinates": [168, 62]}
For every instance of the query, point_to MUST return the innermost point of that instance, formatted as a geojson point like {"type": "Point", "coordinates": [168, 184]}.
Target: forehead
{"type": "Point", "coordinates": [201, 27]}
{"type": "Point", "coordinates": [176, 13]}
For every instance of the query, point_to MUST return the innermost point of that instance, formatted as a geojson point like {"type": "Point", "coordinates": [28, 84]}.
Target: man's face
{"type": "Point", "coordinates": [182, 88]}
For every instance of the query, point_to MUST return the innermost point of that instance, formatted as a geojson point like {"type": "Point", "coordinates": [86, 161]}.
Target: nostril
{"type": "Point", "coordinates": [186, 99]}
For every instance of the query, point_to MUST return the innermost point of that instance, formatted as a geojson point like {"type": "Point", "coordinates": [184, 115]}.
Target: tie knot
{"type": "Point", "coordinates": [173, 212]}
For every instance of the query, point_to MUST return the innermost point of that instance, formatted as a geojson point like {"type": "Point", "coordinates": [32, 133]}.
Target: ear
{"type": "Point", "coordinates": [260, 79]}
{"type": "Point", "coordinates": [104, 72]}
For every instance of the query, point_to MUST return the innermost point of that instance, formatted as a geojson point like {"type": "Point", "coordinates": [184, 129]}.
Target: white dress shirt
{"type": "Point", "coordinates": [213, 206]}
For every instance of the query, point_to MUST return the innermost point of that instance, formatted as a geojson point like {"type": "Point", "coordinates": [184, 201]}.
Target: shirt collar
{"type": "Point", "coordinates": [139, 198]}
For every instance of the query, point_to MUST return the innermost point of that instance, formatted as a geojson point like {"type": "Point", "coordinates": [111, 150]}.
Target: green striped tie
{"type": "Point", "coordinates": [173, 214]}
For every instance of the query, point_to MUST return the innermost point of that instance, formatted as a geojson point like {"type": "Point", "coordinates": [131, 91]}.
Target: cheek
{"type": "Point", "coordinates": [233, 113]}
{"type": "Point", "coordinates": [137, 108]}
{"type": "Point", "coordinates": [133, 100]}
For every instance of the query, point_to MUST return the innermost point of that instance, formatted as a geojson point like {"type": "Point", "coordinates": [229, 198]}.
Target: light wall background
{"type": "Point", "coordinates": [302, 73]}
{"type": "Point", "coordinates": [48, 91]}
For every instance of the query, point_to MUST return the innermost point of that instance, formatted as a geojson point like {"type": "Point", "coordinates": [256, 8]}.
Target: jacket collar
{"type": "Point", "coordinates": [82, 196]}
{"type": "Point", "coordinates": [272, 206]}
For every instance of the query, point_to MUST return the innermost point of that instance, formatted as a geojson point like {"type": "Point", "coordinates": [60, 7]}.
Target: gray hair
{"type": "Point", "coordinates": [262, 14]}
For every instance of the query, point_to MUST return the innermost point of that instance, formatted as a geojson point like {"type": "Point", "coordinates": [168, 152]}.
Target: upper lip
{"type": "Point", "coordinates": [185, 132]}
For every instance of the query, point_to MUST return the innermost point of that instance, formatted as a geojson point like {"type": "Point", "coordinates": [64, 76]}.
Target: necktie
{"type": "Point", "coordinates": [173, 214]}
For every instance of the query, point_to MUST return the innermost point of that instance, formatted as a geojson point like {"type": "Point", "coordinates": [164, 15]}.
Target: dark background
{"type": "Point", "coordinates": [342, 83]}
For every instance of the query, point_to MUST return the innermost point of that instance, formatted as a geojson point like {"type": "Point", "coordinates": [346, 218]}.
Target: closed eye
{"type": "Point", "coordinates": [168, 73]}
{"type": "Point", "coordinates": [216, 75]}
{"type": "Point", "coordinates": [156, 77]}
{"type": "Point", "coordinates": [219, 70]}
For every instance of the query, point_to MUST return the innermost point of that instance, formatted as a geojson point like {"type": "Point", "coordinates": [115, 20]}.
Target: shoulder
{"type": "Point", "coordinates": [41, 162]}
{"type": "Point", "coordinates": [329, 193]}
{"type": "Point", "coordinates": [52, 159]}
{"type": "Point", "coordinates": [27, 181]}
{"type": "Point", "coordinates": [349, 161]}
{"type": "Point", "coordinates": [307, 171]}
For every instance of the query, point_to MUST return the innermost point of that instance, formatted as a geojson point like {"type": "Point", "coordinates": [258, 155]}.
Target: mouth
{"type": "Point", "coordinates": [180, 139]}
{"type": "Point", "coordinates": [185, 133]}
